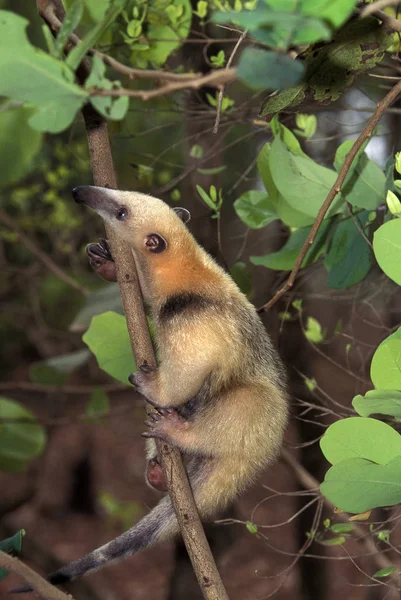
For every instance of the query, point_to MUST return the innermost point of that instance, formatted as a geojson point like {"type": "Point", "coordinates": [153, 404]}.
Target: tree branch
{"type": "Point", "coordinates": [222, 89]}
{"type": "Point", "coordinates": [49, 14]}
{"type": "Point", "coordinates": [41, 256]}
{"type": "Point", "coordinates": [34, 580]}
{"type": "Point", "coordinates": [176, 478]}
{"type": "Point", "coordinates": [309, 482]}
{"type": "Point", "coordinates": [374, 7]}
{"type": "Point", "coordinates": [388, 20]}
{"type": "Point", "coordinates": [336, 189]}
{"type": "Point", "coordinates": [213, 79]}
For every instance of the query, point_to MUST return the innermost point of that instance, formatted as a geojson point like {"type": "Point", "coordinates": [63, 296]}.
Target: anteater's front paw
{"type": "Point", "coordinates": [144, 379]}
{"type": "Point", "coordinates": [164, 424]}
{"type": "Point", "coordinates": [101, 260]}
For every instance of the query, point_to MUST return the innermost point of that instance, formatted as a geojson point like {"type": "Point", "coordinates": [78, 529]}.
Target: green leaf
{"type": "Point", "coordinates": [357, 437]}
{"type": "Point", "coordinates": [349, 257]}
{"type": "Point", "coordinates": [385, 368]}
{"type": "Point", "coordinates": [261, 69]}
{"type": "Point", "coordinates": [97, 8]}
{"type": "Point", "coordinates": [251, 527]}
{"type": "Point", "coordinates": [397, 162]}
{"type": "Point", "coordinates": [108, 339]}
{"type": "Point", "coordinates": [336, 541]}
{"type": "Point", "coordinates": [303, 183]}
{"type": "Point", "coordinates": [196, 151]}
{"type": "Point", "coordinates": [213, 171]}
{"type": "Point", "coordinates": [387, 249]}
{"type": "Point", "coordinates": [313, 331]}
{"type": "Point", "coordinates": [76, 55]}
{"type": "Point", "coordinates": [19, 442]}
{"type": "Point", "coordinates": [334, 11]}
{"type": "Point", "coordinates": [242, 278]}
{"type": "Point", "coordinates": [206, 198]}
{"type": "Point", "coordinates": [357, 485]}
{"type": "Point", "coordinates": [52, 91]}
{"type": "Point", "coordinates": [165, 21]}
{"type": "Point", "coordinates": [98, 403]}
{"type": "Point", "coordinates": [393, 203]}
{"type": "Point", "coordinates": [107, 298]}
{"type": "Point", "coordinates": [284, 259]}
{"type": "Point", "coordinates": [255, 209]}
{"type": "Point", "coordinates": [71, 21]}
{"type": "Point", "coordinates": [308, 124]}
{"type": "Point", "coordinates": [365, 183]}
{"type": "Point", "coordinates": [108, 106]}
{"type": "Point", "coordinates": [19, 144]}
{"type": "Point", "coordinates": [380, 402]}
{"type": "Point", "coordinates": [332, 68]}
{"type": "Point", "coordinates": [385, 572]}
{"type": "Point", "coordinates": [12, 546]}
{"type": "Point", "coordinates": [342, 528]}
{"type": "Point", "coordinates": [285, 135]}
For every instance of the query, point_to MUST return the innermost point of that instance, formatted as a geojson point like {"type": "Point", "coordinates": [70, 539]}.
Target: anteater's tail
{"type": "Point", "coordinates": [158, 525]}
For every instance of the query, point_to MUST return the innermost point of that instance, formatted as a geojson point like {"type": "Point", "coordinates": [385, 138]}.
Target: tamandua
{"type": "Point", "coordinates": [219, 388]}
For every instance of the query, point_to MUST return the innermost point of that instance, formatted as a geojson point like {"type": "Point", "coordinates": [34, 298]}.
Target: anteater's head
{"type": "Point", "coordinates": [148, 224]}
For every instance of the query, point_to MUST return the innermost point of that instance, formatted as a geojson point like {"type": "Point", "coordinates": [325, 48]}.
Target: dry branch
{"type": "Point", "coordinates": [41, 256]}
{"type": "Point", "coordinates": [45, 589]}
{"type": "Point", "coordinates": [176, 478]}
{"type": "Point", "coordinates": [309, 482]}
{"type": "Point", "coordinates": [336, 189]}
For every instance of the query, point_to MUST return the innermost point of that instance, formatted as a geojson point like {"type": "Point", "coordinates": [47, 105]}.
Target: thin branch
{"type": "Point", "coordinates": [376, 6]}
{"type": "Point", "coordinates": [214, 79]}
{"type": "Point", "coordinates": [41, 256]}
{"type": "Point", "coordinates": [28, 386]}
{"type": "Point", "coordinates": [174, 472]}
{"type": "Point", "coordinates": [222, 89]}
{"type": "Point", "coordinates": [45, 589]}
{"type": "Point", "coordinates": [336, 189]}
{"type": "Point", "coordinates": [47, 12]}
{"type": "Point", "coordinates": [309, 482]}
{"type": "Point", "coordinates": [388, 20]}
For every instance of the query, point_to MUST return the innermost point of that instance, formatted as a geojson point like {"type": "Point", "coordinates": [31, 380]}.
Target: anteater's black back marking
{"type": "Point", "coordinates": [174, 305]}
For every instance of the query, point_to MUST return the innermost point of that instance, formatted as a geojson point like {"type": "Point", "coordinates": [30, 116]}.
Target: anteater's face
{"type": "Point", "coordinates": [149, 225]}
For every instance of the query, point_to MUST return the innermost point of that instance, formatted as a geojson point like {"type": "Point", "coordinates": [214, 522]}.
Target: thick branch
{"type": "Point", "coordinates": [34, 580]}
{"type": "Point", "coordinates": [176, 478]}
{"type": "Point", "coordinates": [336, 189]}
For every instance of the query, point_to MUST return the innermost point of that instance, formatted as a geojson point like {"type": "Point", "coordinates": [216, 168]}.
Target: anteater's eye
{"type": "Point", "coordinates": [122, 213]}
{"type": "Point", "coordinates": [155, 243]}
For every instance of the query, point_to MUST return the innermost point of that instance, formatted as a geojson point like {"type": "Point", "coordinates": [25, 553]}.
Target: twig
{"type": "Point", "coordinates": [47, 12]}
{"type": "Point", "coordinates": [309, 482]}
{"type": "Point", "coordinates": [336, 189]}
{"type": "Point", "coordinates": [214, 79]}
{"type": "Point", "coordinates": [388, 20]}
{"type": "Point", "coordinates": [41, 586]}
{"type": "Point", "coordinates": [222, 89]}
{"type": "Point", "coordinates": [28, 386]}
{"type": "Point", "coordinates": [41, 256]}
{"type": "Point", "coordinates": [175, 476]}
{"type": "Point", "coordinates": [376, 6]}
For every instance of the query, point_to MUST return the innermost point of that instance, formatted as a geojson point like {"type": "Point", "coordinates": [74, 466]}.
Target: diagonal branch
{"type": "Point", "coordinates": [45, 589]}
{"type": "Point", "coordinates": [176, 478]}
{"type": "Point", "coordinates": [336, 189]}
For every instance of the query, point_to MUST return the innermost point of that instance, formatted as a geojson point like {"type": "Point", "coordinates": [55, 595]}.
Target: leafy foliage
{"type": "Point", "coordinates": [21, 437]}
{"type": "Point", "coordinates": [13, 546]}
{"type": "Point", "coordinates": [108, 339]}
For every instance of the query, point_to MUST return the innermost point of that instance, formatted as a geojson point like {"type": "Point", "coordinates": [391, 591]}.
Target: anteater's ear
{"type": "Point", "coordinates": [183, 213]}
